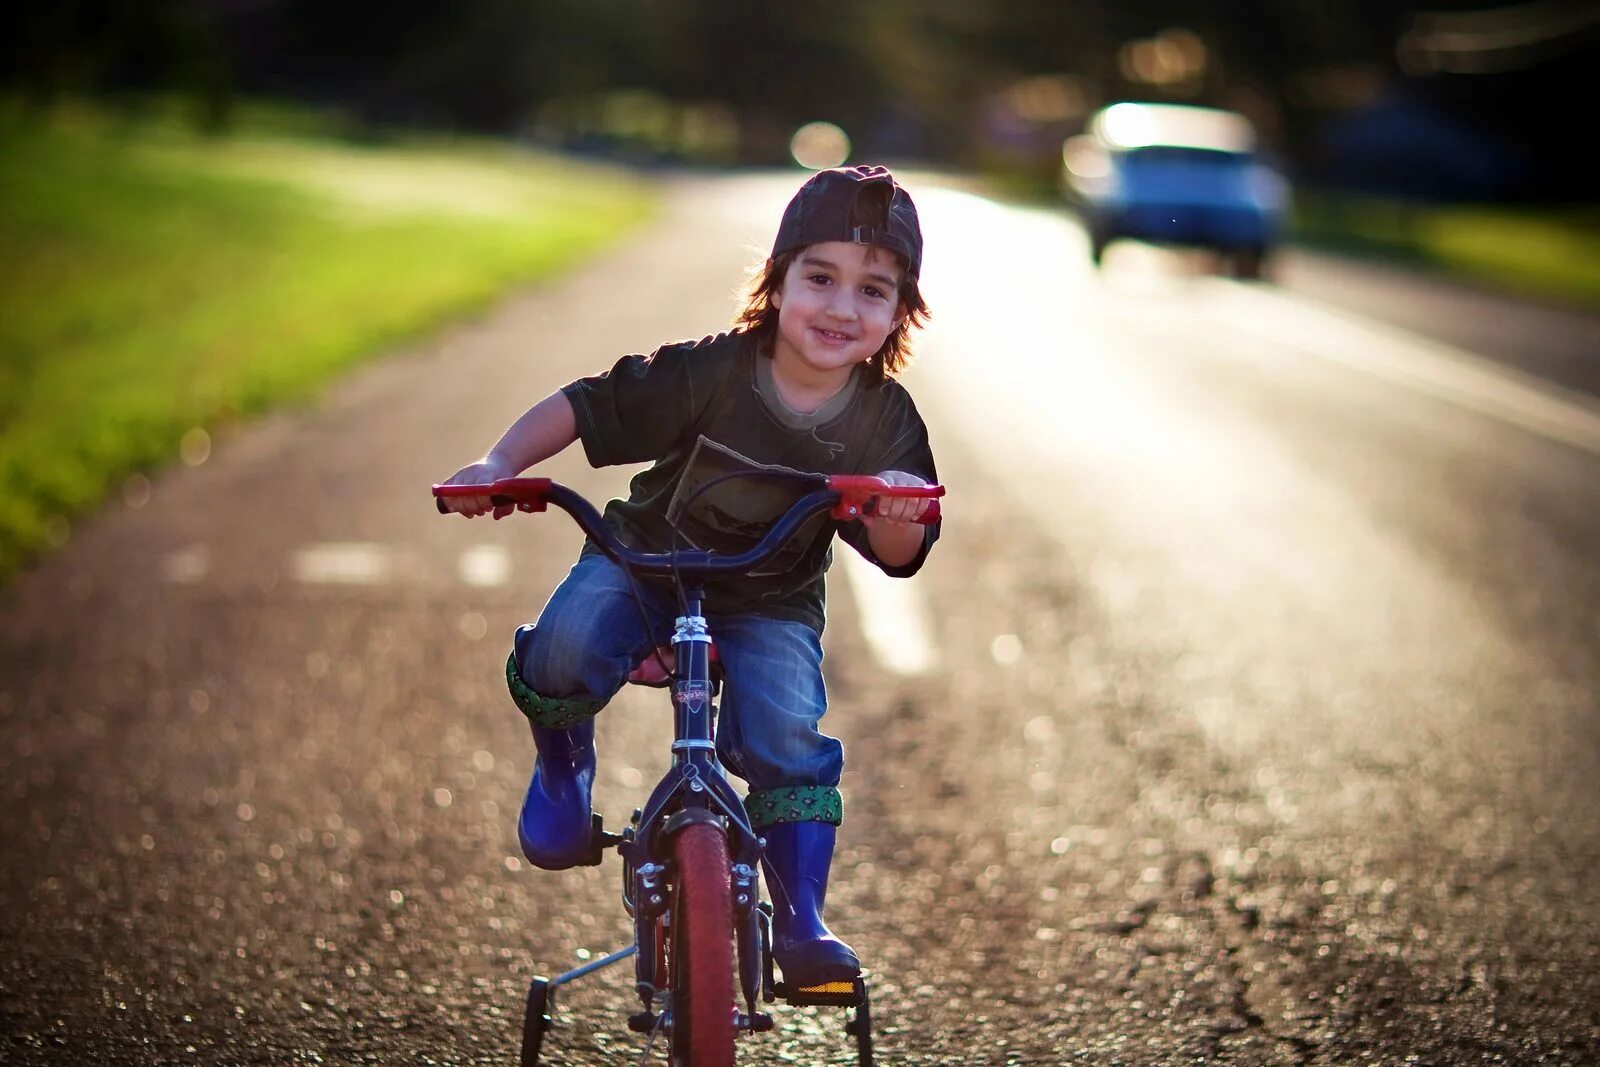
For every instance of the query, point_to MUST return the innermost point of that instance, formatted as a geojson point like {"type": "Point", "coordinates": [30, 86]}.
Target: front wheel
{"type": "Point", "coordinates": [702, 949]}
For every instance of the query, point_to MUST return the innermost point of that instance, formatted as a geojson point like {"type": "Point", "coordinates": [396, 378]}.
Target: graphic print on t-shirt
{"type": "Point", "coordinates": [735, 513]}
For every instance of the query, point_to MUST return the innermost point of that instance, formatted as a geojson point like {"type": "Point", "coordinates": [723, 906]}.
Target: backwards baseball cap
{"type": "Point", "coordinates": [863, 205]}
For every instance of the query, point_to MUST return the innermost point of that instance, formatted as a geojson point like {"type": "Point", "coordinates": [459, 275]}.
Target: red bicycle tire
{"type": "Point", "coordinates": [702, 948]}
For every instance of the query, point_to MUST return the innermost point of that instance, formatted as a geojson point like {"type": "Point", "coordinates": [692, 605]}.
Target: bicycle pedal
{"type": "Point", "coordinates": [829, 987]}
{"type": "Point", "coordinates": [841, 994]}
{"type": "Point", "coordinates": [600, 839]}
{"type": "Point", "coordinates": [642, 1022]}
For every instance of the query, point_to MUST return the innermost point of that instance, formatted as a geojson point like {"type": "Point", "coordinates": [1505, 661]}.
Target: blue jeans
{"type": "Point", "coordinates": [590, 635]}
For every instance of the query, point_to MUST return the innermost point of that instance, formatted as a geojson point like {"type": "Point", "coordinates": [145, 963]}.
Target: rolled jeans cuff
{"type": "Point", "coordinates": [553, 713]}
{"type": "Point", "coordinates": [794, 803]}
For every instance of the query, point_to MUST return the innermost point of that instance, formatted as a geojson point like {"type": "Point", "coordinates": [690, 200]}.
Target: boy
{"type": "Point", "coordinates": [802, 382]}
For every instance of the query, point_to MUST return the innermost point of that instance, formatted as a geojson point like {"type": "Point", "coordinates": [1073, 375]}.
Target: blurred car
{"type": "Point", "coordinates": [1176, 175]}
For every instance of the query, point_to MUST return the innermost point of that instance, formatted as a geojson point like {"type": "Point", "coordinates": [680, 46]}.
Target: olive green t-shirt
{"type": "Point", "coordinates": [698, 409]}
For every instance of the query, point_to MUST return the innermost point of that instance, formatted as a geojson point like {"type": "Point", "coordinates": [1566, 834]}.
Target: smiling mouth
{"type": "Point", "coordinates": [830, 335]}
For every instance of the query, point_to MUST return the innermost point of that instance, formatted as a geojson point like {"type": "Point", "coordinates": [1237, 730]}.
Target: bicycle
{"type": "Point", "coordinates": [690, 856]}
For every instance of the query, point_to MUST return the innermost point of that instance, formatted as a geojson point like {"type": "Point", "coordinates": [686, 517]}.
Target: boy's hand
{"type": "Point", "coordinates": [896, 511]}
{"type": "Point", "coordinates": [485, 470]}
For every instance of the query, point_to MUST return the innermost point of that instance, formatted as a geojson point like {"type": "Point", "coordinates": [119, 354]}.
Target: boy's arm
{"type": "Point", "coordinates": [542, 431]}
{"type": "Point", "coordinates": [892, 531]}
{"type": "Point", "coordinates": [901, 455]}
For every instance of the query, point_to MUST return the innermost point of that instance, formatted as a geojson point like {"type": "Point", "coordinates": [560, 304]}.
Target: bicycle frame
{"type": "Point", "coordinates": [694, 789]}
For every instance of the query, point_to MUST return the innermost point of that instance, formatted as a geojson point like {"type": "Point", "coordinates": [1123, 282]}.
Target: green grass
{"type": "Point", "coordinates": [152, 282]}
{"type": "Point", "coordinates": [1549, 253]}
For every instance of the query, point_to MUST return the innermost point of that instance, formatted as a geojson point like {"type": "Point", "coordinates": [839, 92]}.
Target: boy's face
{"type": "Point", "coordinates": [837, 305]}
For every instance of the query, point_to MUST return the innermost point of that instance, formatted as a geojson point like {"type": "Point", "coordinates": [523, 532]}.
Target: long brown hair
{"type": "Point", "coordinates": [759, 317]}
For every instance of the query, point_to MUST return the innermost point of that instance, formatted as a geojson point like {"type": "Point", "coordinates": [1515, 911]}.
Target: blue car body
{"type": "Point", "coordinates": [1178, 176]}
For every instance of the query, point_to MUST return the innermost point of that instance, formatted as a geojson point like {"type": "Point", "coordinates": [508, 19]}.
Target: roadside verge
{"type": "Point", "coordinates": [158, 284]}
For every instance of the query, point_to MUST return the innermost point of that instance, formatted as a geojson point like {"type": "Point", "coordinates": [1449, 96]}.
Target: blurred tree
{"type": "Point", "coordinates": [96, 47]}
{"type": "Point", "coordinates": [945, 79]}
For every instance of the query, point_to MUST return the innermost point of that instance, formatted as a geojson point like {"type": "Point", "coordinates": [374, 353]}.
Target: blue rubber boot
{"type": "Point", "coordinates": [554, 826]}
{"type": "Point", "coordinates": [797, 857]}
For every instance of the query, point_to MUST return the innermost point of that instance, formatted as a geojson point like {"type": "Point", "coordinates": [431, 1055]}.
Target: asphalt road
{"type": "Point", "coordinates": [1261, 728]}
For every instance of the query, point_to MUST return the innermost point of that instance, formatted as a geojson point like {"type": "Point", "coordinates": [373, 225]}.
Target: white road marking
{"type": "Point", "coordinates": [893, 614]}
{"type": "Point", "coordinates": [1433, 367]}
{"type": "Point", "coordinates": [343, 563]}
{"type": "Point", "coordinates": [485, 566]}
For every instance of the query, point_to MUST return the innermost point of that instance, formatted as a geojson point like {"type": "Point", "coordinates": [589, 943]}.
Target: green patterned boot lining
{"type": "Point", "coordinates": [795, 803]}
{"type": "Point", "coordinates": [554, 713]}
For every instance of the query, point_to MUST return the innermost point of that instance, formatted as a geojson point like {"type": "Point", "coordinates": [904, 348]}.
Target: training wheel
{"type": "Point", "coordinates": [535, 1020]}
{"type": "Point", "coordinates": [861, 1026]}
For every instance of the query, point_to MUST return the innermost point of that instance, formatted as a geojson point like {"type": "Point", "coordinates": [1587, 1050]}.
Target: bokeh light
{"type": "Point", "coordinates": [820, 145]}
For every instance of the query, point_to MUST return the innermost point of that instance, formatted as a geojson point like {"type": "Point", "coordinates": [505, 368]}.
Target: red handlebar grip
{"type": "Point", "coordinates": [929, 516]}
{"type": "Point", "coordinates": [526, 494]}
{"type": "Point", "coordinates": [857, 491]}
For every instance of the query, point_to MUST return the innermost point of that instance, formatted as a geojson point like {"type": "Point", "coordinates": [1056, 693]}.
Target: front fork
{"type": "Point", "coordinates": [646, 893]}
{"type": "Point", "coordinates": [753, 944]}
{"type": "Point", "coordinates": [695, 790]}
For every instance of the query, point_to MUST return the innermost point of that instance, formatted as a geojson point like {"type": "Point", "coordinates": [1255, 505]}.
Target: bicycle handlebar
{"type": "Point", "coordinates": [843, 496]}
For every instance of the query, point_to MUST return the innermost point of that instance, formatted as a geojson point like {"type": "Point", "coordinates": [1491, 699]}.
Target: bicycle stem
{"type": "Point", "coordinates": [691, 690]}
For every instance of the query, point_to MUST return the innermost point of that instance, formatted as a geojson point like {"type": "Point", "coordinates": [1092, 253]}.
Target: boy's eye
{"type": "Point", "coordinates": [873, 291]}
{"type": "Point", "coordinates": [821, 279]}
